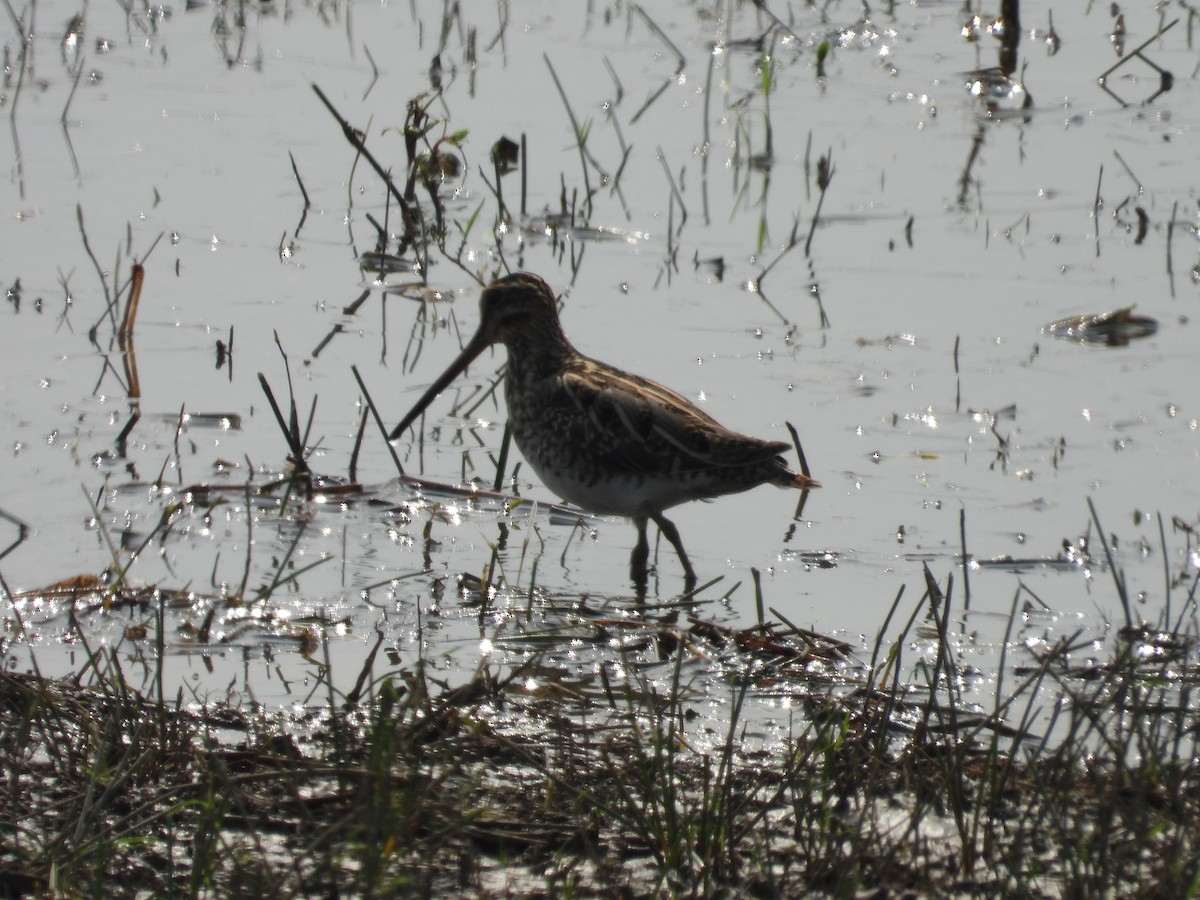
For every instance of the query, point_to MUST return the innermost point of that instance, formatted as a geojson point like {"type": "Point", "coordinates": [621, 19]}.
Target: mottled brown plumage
{"type": "Point", "coordinates": [608, 441]}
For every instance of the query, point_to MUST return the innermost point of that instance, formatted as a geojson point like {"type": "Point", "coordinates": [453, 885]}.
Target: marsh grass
{"type": "Point", "coordinates": [1081, 781]}
{"type": "Point", "coordinates": [529, 779]}
{"type": "Point", "coordinates": [532, 778]}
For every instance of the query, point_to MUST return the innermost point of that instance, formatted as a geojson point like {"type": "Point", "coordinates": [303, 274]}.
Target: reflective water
{"type": "Point", "coordinates": [930, 400]}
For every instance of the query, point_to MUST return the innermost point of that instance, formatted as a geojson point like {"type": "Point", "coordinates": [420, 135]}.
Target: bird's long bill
{"type": "Point", "coordinates": [478, 344]}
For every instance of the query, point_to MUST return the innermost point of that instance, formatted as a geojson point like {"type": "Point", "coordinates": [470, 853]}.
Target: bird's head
{"type": "Point", "coordinates": [517, 308]}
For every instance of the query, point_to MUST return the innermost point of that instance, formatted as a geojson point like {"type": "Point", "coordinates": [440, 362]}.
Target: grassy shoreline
{"type": "Point", "coordinates": [498, 788]}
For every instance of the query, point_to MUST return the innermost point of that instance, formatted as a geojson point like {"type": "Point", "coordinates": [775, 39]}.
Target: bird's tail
{"type": "Point", "coordinates": [789, 479]}
{"type": "Point", "coordinates": [803, 482]}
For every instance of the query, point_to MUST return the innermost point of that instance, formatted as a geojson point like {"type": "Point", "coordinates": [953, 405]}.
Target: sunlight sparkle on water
{"type": "Point", "coordinates": [927, 418]}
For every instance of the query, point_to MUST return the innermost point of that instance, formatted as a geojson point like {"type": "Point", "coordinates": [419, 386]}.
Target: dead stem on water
{"type": "Point", "coordinates": [125, 331]}
{"type": "Point", "coordinates": [303, 193]}
{"type": "Point", "coordinates": [383, 430]}
{"type": "Point", "coordinates": [22, 532]}
{"type": "Point", "coordinates": [581, 135]}
{"type": "Point", "coordinates": [825, 172]}
{"type": "Point", "coordinates": [297, 452]}
{"type": "Point", "coordinates": [1170, 235]}
{"type": "Point", "coordinates": [1166, 80]}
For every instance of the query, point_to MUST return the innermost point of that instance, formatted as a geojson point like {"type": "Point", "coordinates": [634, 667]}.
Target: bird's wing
{"type": "Point", "coordinates": [652, 429]}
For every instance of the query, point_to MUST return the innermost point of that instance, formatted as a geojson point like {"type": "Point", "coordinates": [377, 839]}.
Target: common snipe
{"type": "Point", "coordinates": [608, 441]}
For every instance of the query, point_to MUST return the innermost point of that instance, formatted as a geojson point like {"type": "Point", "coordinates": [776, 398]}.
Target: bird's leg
{"type": "Point", "coordinates": [641, 553]}
{"type": "Point", "coordinates": [671, 533]}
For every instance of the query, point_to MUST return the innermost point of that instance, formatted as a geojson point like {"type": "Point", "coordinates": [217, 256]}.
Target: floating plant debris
{"type": "Point", "coordinates": [1112, 329]}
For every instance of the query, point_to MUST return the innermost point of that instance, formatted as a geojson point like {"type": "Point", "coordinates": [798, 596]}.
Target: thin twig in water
{"type": "Point", "coordinates": [71, 96]}
{"type": "Point", "coordinates": [502, 463]}
{"type": "Point", "coordinates": [957, 376]}
{"type": "Point", "coordinates": [761, 6]}
{"type": "Point", "coordinates": [825, 170]}
{"type": "Point", "coordinates": [374, 71]}
{"type": "Point", "coordinates": [358, 438]}
{"type": "Point", "coordinates": [22, 534]}
{"type": "Point", "coordinates": [650, 100]}
{"type": "Point", "coordinates": [662, 158]}
{"type": "Point", "coordinates": [99, 270]}
{"type": "Point", "coordinates": [1170, 234]}
{"type": "Point", "coordinates": [706, 144]}
{"type": "Point", "coordinates": [249, 507]}
{"type": "Point", "coordinates": [1118, 578]}
{"type": "Point", "coordinates": [616, 83]}
{"type": "Point", "coordinates": [662, 37]}
{"type": "Point", "coordinates": [966, 559]}
{"type": "Point", "coordinates": [290, 435]}
{"type": "Point", "coordinates": [1166, 79]}
{"type": "Point", "coordinates": [299, 181]}
{"type": "Point", "coordinates": [125, 334]}
{"type": "Point", "coordinates": [524, 174]}
{"type": "Point", "coordinates": [355, 140]}
{"type": "Point", "coordinates": [378, 421]}
{"type": "Point", "coordinates": [1128, 171]}
{"type": "Point", "coordinates": [580, 134]}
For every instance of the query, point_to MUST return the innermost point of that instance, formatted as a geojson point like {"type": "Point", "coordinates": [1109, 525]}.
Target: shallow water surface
{"type": "Point", "coordinates": [932, 404]}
